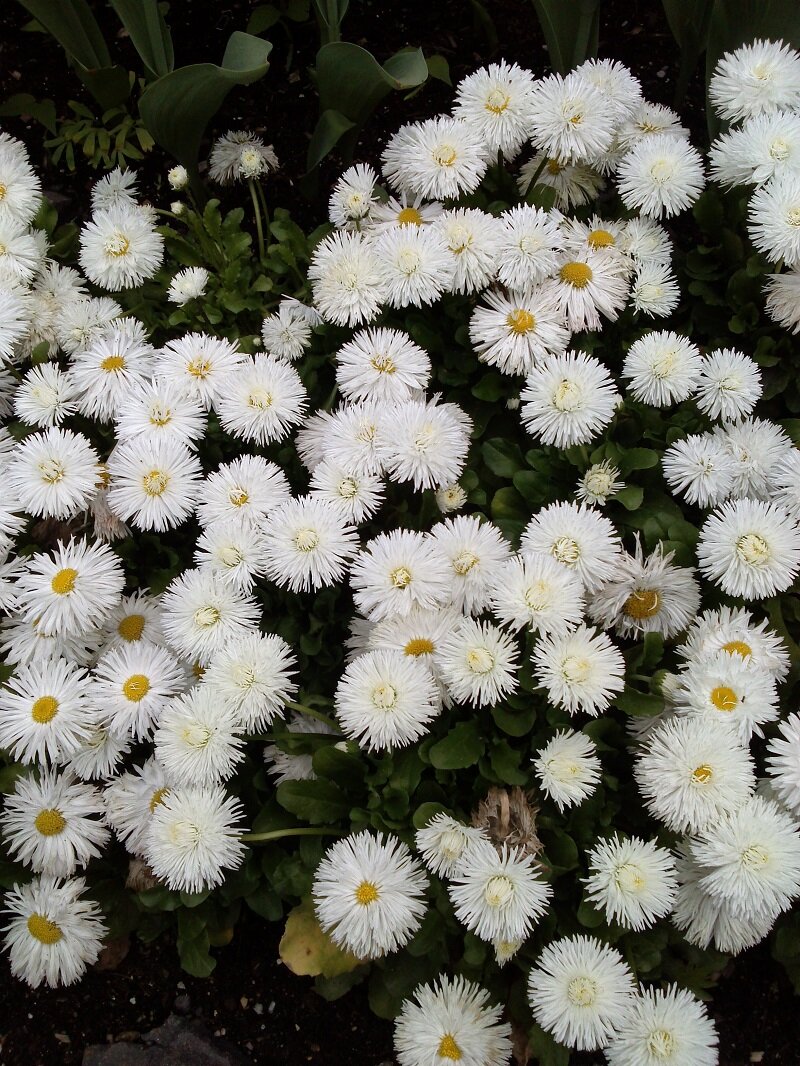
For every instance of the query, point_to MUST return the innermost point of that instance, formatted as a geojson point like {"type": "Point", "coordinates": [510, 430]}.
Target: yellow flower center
{"type": "Point", "coordinates": [384, 696]}
{"type": "Point", "coordinates": [131, 627]}
{"type": "Point", "coordinates": [155, 482]}
{"type": "Point", "coordinates": [576, 274]}
{"type": "Point", "coordinates": [238, 497]}
{"type": "Point", "coordinates": [566, 550]}
{"type": "Point", "coordinates": [464, 562]}
{"type": "Point", "coordinates": [499, 891]}
{"type": "Point", "coordinates": [568, 396]}
{"type": "Point", "coordinates": [575, 669]}
{"type": "Point", "coordinates": [51, 471]}
{"type": "Point", "coordinates": [779, 149]}
{"type": "Point", "coordinates": [537, 596]}
{"type": "Point", "coordinates": [348, 488]}
{"type": "Point", "coordinates": [582, 991]}
{"type": "Point", "coordinates": [661, 1044]}
{"type": "Point", "coordinates": [3, 191]}
{"type": "Point", "coordinates": [444, 155]}
{"type": "Point", "coordinates": [366, 893]}
{"type": "Point", "coordinates": [419, 646]}
{"type": "Point", "coordinates": [662, 170]}
{"type": "Point", "coordinates": [230, 555]}
{"type": "Point", "coordinates": [480, 660]}
{"type": "Point", "coordinates": [449, 1049]}
{"type": "Point", "coordinates": [400, 577]}
{"type": "Point", "coordinates": [753, 549]}
{"type": "Point", "coordinates": [384, 364]}
{"type": "Point", "coordinates": [755, 855]}
{"type": "Point", "coordinates": [45, 931]}
{"type": "Point", "coordinates": [206, 617]}
{"type": "Point", "coordinates": [521, 321]}
{"type": "Point", "coordinates": [44, 709]}
{"type": "Point", "coordinates": [793, 216]}
{"type": "Point", "coordinates": [160, 415]}
{"type": "Point", "coordinates": [554, 167]}
{"type": "Point", "coordinates": [136, 687]}
{"type": "Point", "coordinates": [600, 238]}
{"type": "Point", "coordinates": [260, 399]}
{"type": "Point", "coordinates": [158, 797]}
{"type": "Point", "coordinates": [196, 735]}
{"type": "Point", "coordinates": [642, 603]}
{"type": "Point", "coordinates": [702, 773]}
{"type": "Point", "coordinates": [50, 822]}
{"type": "Point", "coordinates": [724, 698]}
{"type": "Point", "coordinates": [64, 581]}
{"type": "Point", "coordinates": [459, 239]}
{"type": "Point", "coordinates": [576, 119]}
{"type": "Point", "coordinates": [103, 476]}
{"type": "Point", "coordinates": [409, 216]}
{"type": "Point", "coordinates": [112, 363]}
{"type": "Point", "coordinates": [497, 101]}
{"type": "Point", "coordinates": [738, 647]}
{"type": "Point", "coordinates": [117, 245]}
{"type": "Point", "coordinates": [306, 540]}
{"type": "Point", "coordinates": [629, 877]}
{"type": "Point", "coordinates": [199, 367]}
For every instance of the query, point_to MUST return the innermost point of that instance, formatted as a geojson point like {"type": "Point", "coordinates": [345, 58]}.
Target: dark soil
{"type": "Point", "coordinates": [251, 999]}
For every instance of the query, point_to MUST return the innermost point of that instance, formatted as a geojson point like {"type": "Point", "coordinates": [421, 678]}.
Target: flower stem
{"type": "Point", "coordinates": [277, 834]}
{"type": "Point", "coordinates": [535, 178]}
{"type": "Point", "coordinates": [302, 709]}
{"type": "Point", "coordinates": [263, 201]}
{"type": "Point", "coordinates": [257, 214]}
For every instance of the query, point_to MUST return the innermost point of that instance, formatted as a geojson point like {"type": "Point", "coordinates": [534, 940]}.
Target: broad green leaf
{"type": "Point", "coordinates": [426, 811]}
{"type": "Point", "coordinates": [689, 21]}
{"type": "Point", "coordinates": [331, 126]}
{"type": "Point", "coordinates": [149, 33]}
{"type": "Point", "coordinates": [313, 801]}
{"type": "Point", "coordinates": [44, 111]}
{"type": "Point", "coordinates": [194, 955]}
{"type": "Point", "coordinates": [630, 497]}
{"type": "Point", "coordinates": [462, 746]}
{"type": "Point", "coordinates": [177, 108]}
{"type": "Point", "coordinates": [570, 30]}
{"type": "Point", "coordinates": [639, 704]}
{"type": "Point", "coordinates": [75, 28]}
{"type": "Point", "coordinates": [309, 951]}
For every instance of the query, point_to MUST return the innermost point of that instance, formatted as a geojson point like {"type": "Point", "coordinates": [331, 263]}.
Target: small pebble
{"type": "Point", "coordinates": [62, 1038]}
{"type": "Point", "coordinates": [244, 1001]}
{"type": "Point", "coordinates": [132, 1000]}
{"type": "Point", "coordinates": [259, 1008]}
{"type": "Point", "coordinates": [756, 1056]}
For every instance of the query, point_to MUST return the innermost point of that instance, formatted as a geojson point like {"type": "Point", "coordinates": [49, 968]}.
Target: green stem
{"type": "Point", "coordinates": [536, 176]}
{"type": "Point", "coordinates": [277, 834]}
{"type": "Point", "coordinates": [257, 214]}
{"type": "Point", "coordinates": [262, 197]}
{"type": "Point", "coordinates": [302, 709]}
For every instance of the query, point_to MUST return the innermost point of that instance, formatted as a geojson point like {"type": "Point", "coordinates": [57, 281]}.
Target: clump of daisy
{"type": "Point", "coordinates": [188, 284]}
{"type": "Point", "coordinates": [477, 663]}
{"type": "Point", "coordinates": [568, 400]}
{"type": "Point", "coordinates": [663, 368]}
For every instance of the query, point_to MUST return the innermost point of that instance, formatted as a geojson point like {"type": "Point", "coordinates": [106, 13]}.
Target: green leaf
{"type": "Point", "coordinates": [426, 811]}
{"type": "Point", "coordinates": [75, 28]}
{"type": "Point", "coordinates": [263, 18]}
{"type": "Point", "coordinates": [570, 30]}
{"type": "Point", "coordinates": [149, 34]}
{"type": "Point", "coordinates": [463, 746]}
{"type": "Point", "coordinates": [44, 111]}
{"type": "Point", "coordinates": [331, 126]}
{"type": "Point", "coordinates": [545, 1049]}
{"type": "Point", "coordinates": [638, 459]}
{"type": "Point", "coordinates": [630, 497]}
{"type": "Point", "coordinates": [639, 704]}
{"type": "Point", "coordinates": [177, 107]}
{"type": "Point", "coordinates": [439, 68]}
{"type": "Point", "coordinates": [502, 457]}
{"type": "Point", "coordinates": [194, 955]}
{"type": "Point", "coordinates": [318, 802]}
{"type": "Point", "coordinates": [506, 762]}
{"type": "Point", "coordinates": [309, 951]}
{"type": "Point", "coordinates": [342, 767]}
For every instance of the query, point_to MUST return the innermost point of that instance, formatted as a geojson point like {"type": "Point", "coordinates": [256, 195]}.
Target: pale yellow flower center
{"type": "Point", "coordinates": [499, 891]}
{"type": "Point", "coordinates": [160, 415]}
{"type": "Point", "coordinates": [348, 488]}
{"type": "Point", "coordinates": [497, 101]}
{"type": "Point", "coordinates": [779, 149]}
{"type": "Point", "coordinates": [408, 261]}
{"type": "Point", "coordinates": [464, 562]}
{"type": "Point", "coordinates": [383, 363]}
{"type": "Point", "coordinates": [459, 239]}
{"type": "Point", "coordinates": [199, 367]}
{"type": "Point", "coordinates": [629, 877]}
{"type": "Point", "coordinates": [409, 216]}
{"type": "Point", "coordinates": [260, 398]}
{"type": "Point", "coordinates": [755, 855]}
{"type": "Point", "coordinates": [400, 577]}
{"type": "Point", "coordinates": [238, 497]}
{"type": "Point", "coordinates": [51, 471]}
{"type": "Point", "coordinates": [444, 155]}
{"type": "Point", "coordinates": [230, 556]}
{"type": "Point", "coordinates": [116, 245]}
{"type": "Point", "coordinates": [703, 773]}
{"type": "Point", "coordinates": [384, 696]}
{"type": "Point", "coordinates": [661, 1044]}
{"type": "Point", "coordinates": [480, 660]}
{"type": "Point", "coordinates": [582, 991]}
{"type": "Point", "coordinates": [662, 171]}
{"type": "Point", "coordinates": [753, 549]}
{"type": "Point", "coordinates": [566, 550]}
{"type": "Point", "coordinates": [155, 482]}
{"type": "Point", "coordinates": [206, 617]}
{"type": "Point", "coordinates": [575, 670]}
{"type": "Point", "coordinates": [793, 216]}
{"type": "Point", "coordinates": [306, 540]}
{"type": "Point", "coordinates": [568, 396]}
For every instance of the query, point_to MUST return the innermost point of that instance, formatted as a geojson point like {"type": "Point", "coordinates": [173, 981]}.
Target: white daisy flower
{"type": "Point", "coordinates": [201, 365]}
{"type": "Point", "coordinates": [590, 285]}
{"type": "Point", "coordinates": [104, 374]}
{"type": "Point", "coordinates": [116, 189]}
{"type": "Point", "coordinates": [201, 613]}
{"type": "Point", "coordinates": [48, 823]}
{"type": "Point", "coordinates": [729, 385]}
{"type": "Point", "coordinates": [294, 766]}
{"type": "Point", "coordinates": [567, 768]}
{"type": "Point", "coordinates": [356, 436]}
{"type": "Point", "coordinates": [405, 210]}
{"type": "Point", "coordinates": [55, 288]}
{"type": "Point", "coordinates": [53, 474]}
{"type": "Point", "coordinates": [188, 284]}
{"type": "Point", "coordinates": [774, 220]}
{"type": "Point", "coordinates": [53, 933]}
{"type": "Point", "coordinates": [368, 894]}
{"type": "Point", "coordinates": [131, 799]}
{"type": "Point", "coordinates": [693, 770]}
{"type": "Point", "coordinates": [730, 686]}
{"type": "Point", "coordinates": [263, 400]}
{"type": "Point", "coordinates": [307, 544]}
{"type": "Point", "coordinates": [72, 589]}
{"type": "Point", "coordinates": [581, 671]}
{"type": "Point", "coordinates": [518, 331]}
{"type": "Point", "coordinates": [198, 738]}
{"type": "Point", "coordinates": [136, 617]}
{"type": "Point", "coordinates": [438, 159]}
{"type": "Point", "coordinates": [667, 1026]}
{"type": "Point", "coordinates": [131, 684]}
{"type": "Point", "coordinates": [24, 641]}
{"type": "Point", "coordinates": [247, 489]}
{"type": "Point", "coordinates": [471, 237]}
{"type": "Point", "coordinates": [353, 197]}
{"type": "Point", "coordinates": [398, 571]}
{"type": "Point", "coordinates": [443, 843]}
{"type": "Point", "coordinates": [646, 595]}
{"type": "Point", "coordinates": [100, 755]}
{"type": "Point", "coordinates": [253, 675]}
{"type": "Point", "coordinates": [346, 280]}
{"type": "Point", "coordinates": [45, 397]}
{"type": "Point", "coordinates": [15, 317]}
{"type": "Point", "coordinates": [287, 333]}
{"type": "Point", "coordinates": [754, 79]}
{"type": "Point", "coordinates": [418, 634]}
{"type": "Point", "coordinates": [568, 400]}
{"type": "Point", "coordinates": [496, 101]}
{"type": "Point", "coordinates": [120, 248]}
{"type": "Point", "coordinates": [765, 146]}
{"type": "Point", "coordinates": [581, 991]}
{"type": "Point", "coordinates": [663, 368]}
{"type": "Point", "coordinates": [240, 156]}
{"type": "Point", "coordinates": [476, 551]}
{"type": "Point", "coordinates": [356, 496]}
{"type": "Point", "coordinates": [155, 483]}
{"type": "Point", "coordinates": [45, 714]}
{"type": "Point", "coordinates": [700, 468]}
{"type": "Point", "coordinates": [22, 190]}
{"type": "Point", "coordinates": [536, 592]}
{"type": "Point", "coordinates": [646, 241]}
{"type": "Point", "coordinates": [599, 484]}
{"type": "Point", "coordinates": [381, 364]}
{"type": "Point", "coordinates": [20, 257]}
{"type": "Point", "coordinates": [477, 663]}
{"type": "Point", "coordinates": [660, 176]}
{"type": "Point", "coordinates": [786, 483]}
{"type": "Point", "coordinates": [758, 448]}
{"type": "Point", "coordinates": [648, 121]}
{"type": "Point", "coordinates": [613, 79]}
{"type": "Point", "coordinates": [574, 184]}
{"type": "Point", "coordinates": [750, 548]}
{"type": "Point", "coordinates": [233, 550]}
{"type": "Point", "coordinates": [414, 265]}
{"type": "Point", "coordinates": [783, 762]}
{"type": "Point", "coordinates": [451, 1020]}
{"type": "Point", "coordinates": [529, 240]}
{"type": "Point", "coordinates": [498, 896]}
{"type": "Point", "coordinates": [783, 299]}
{"type": "Point", "coordinates": [733, 631]}
{"type": "Point", "coordinates": [578, 538]}
{"type": "Point", "coordinates": [451, 498]}
{"type": "Point", "coordinates": [570, 118]}
{"type": "Point", "coordinates": [386, 700]}
{"type": "Point", "coordinates": [427, 443]}
{"type": "Point", "coordinates": [654, 290]}
{"type": "Point", "coordinates": [632, 881]}
{"type": "Point", "coordinates": [79, 323]}
{"type": "Point", "coordinates": [193, 837]}
{"type": "Point", "coordinates": [750, 859]}
{"type": "Point", "coordinates": [161, 410]}
{"type": "Point", "coordinates": [178, 178]}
